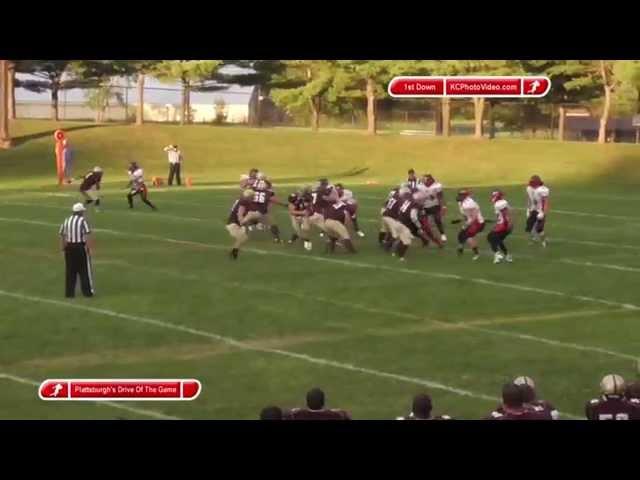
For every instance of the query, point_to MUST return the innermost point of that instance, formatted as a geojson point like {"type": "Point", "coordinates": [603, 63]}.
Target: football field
{"type": "Point", "coordinates": [369, 330]}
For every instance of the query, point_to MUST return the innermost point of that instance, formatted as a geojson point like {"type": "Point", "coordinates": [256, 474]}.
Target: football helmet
{"type": "Point", "coordinates": [496, 195]}
{"type": "Point", "coordinates": [404, 191]}
{"type": "Point", "coordinates": [612, 385]}
{"type": "Point", "coordinates": [525, 381]}
{"type": "Point", "coordinates": [97, 169]}
{"type": "Point", "coordinates": [462, 194]}
{"type": "Point", "coordinates": [535, 181]}
{"type": "Point", "coordinates": [429, 180]}
{"type": "Point", "coordinates": [248, 193]}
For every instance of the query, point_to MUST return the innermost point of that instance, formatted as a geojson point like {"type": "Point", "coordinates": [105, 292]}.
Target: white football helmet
{"type": "Point", "coordinates": [525, 381]}
{"type": "Point", "coordinates": [612, 385]}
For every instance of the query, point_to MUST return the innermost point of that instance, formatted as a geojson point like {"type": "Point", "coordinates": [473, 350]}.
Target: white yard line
{"type": "Point", "coordinates": [138, 411]}
{"type": "Point", "coordinates": [608, 266]}
{"type": "Point", "coordinates": [358, 264]}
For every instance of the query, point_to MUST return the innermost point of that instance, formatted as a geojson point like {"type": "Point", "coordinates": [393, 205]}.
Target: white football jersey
{"type": "Point", "coordinates": [137, 177]}
{"type": "Point", "coordinates": [530, 191]}
{"type": "Point", "coordinates": [432, 191]}
{"type": "Point", "coordinates": [347, 197]}
{"type": "Point", "coordinates": [539, 195]}
{"type": "Point", "coordinates": [471, 211]}
{"type": "Point", "coordinates": [501, 208]}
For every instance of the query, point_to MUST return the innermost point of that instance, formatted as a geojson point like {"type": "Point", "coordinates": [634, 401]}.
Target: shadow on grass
{"type": "Point", "coordinates": [49, 133]}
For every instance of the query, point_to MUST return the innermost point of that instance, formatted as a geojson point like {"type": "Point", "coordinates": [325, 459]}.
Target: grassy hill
{"type": "Point", "coordinates": [220, 154]}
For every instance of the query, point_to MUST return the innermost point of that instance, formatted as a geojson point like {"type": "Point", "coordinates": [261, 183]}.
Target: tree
{"type": "Point", "coordinates": [52, 75]}
{"type": "Point", "coordinates": [5, 139]}
{"type": "Point", "coordinates": [363, 78]}
{"type": "Point", "coordinates": [98, 99]}
{"type": "Point", "coordinates": [188, 73]}
{"type": "Point", "coordinates": [586, 80]}
{"type": "Point", "coordinates": [303, 84]}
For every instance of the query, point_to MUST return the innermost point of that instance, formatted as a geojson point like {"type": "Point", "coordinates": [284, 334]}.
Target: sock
{"type": "Point", "coordinates": [476, 251]}
{"type": "Point", "coordinates": [355, 224]}
{"type": "Point", "coordinates": [349, 246]}
{"type": "Point", "coordinates": [294, 237]}
{"type": "Point", "coordinates": [97, 202]}
{"type": "Point", "coordinates": [381, 237]}
{"type": "Point", "coordinates": [234, 252]}
{"type": "Point", "coordinates": [87, 202]}
{"type": "Point", "coordinates": [402, 249]}
{"type": "Point", "coordinates": [130, 200]}
{"type": "Point", "coordinates": [275, 231]}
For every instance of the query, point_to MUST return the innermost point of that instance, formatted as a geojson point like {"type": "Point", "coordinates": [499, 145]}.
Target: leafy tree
{"type": "Point", "coordinates": [98, 99]}
{"type": "Point", "coordinates": [188, 73]}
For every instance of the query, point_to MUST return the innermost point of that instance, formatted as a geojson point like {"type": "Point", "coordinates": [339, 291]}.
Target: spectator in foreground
{"type": "Point", "coordinates": [514, 408]}
{"type": "Point", "coordinates": [421, 409]}
{"type": "Point", "coordinates": [316, 409]}
{"type": "Point", "coordinates": [271, 413]}
{"type": "Point", "coordinates": [528, 388]}
{"type": "Point", "coordinates": [612, 405]}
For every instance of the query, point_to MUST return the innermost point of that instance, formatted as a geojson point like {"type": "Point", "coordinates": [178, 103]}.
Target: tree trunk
{"type": "Point", "coordinates": [54, 102]}
{"type": "Point", "coordinates": [371, 107]}
{"type": "Point", "coordinates": [5, 139]}
{"type": "Point", "coordinates": [446, 116]}
{"type": "Point", "coordinates": [140, 109]}
{"type": "Point", "coordinates": [561, 118]}
{"type": "Point", "coordinates": [315, 113]}
{"type": "Point", "coordinates": [183, 116]}
{"type": "Point", "coordinates": [438, 117]}
{"type": "Point", "coordinates": [11, 87]}
{"type": "Point", "coordinates": [492, 125]}
{"type": "Point", "coordinates": [478, 106]}
{"type": "Point", "coordinates": [602, 132]}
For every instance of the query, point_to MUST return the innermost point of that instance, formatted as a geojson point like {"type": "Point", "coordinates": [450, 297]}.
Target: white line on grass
{"type": "Point", "coordinates": [139, 411]}
{"type": "Point", "coordinates": [351, 263]}
{"type": "Point", "coordinates": [245, 346]}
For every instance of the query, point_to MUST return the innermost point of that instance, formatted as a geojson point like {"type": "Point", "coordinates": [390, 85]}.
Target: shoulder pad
{"type": "Point", "coordinates": [496, 414]}
{"type": "Point", "coordinates": [595, 401]}
{"type": "Point", "coordinates": [635, 401]}
{"type": "Point", "coordinates": [501, 204]}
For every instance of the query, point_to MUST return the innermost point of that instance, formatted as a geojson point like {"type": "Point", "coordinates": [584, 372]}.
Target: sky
{"type": "Point", "coordinates": [156, 92]}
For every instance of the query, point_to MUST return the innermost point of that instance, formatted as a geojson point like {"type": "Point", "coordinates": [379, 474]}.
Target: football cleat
{"type": "Point", "coordinates": [402, 259]}
{"type": "Point", "coordinates": [475, 257]}
{"type": "Point", "coordinates": [360, 233]}
{"type": "Point", "coordinates": [443, 238]}
{"type": "Point", "coordinates": [250, 228]}
{"type": "Point", "coordinates": [544, 243]}
{"type": "Point", "coordinates": [509, 258]}
{"type": "Point", "coordinates": [498, 257]}
{"type": "Point", "coordinates": [307, 246]}
{"type": "Point", "coordinates": [322, 234]}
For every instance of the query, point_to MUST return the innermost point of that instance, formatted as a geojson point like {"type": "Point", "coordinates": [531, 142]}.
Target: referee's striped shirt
{"type": "Point", "coordinates": [75, 229]}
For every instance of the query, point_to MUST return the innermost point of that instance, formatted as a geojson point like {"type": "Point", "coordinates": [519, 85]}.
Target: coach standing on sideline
{"type": "Point", "coordinates": [175, 160]}
{"type": "Point", "coordinates": [76, 242]}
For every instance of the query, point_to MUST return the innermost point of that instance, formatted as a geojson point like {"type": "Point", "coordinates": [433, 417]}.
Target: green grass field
{"type": "Point", "coordinates": [370, 331]}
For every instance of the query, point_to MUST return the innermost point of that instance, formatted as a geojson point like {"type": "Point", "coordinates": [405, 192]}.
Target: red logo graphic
{"type": "Point", "coordinates": [416, 86]}
{"type": "Point", "coordinates": [124, 389]}
{"type": "Point", "coordinates": [480, 86]}
{"type": "Point", "coordinates": [536, 86]}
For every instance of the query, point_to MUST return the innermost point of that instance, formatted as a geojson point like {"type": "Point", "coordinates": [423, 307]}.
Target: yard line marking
{"type": "Point", "coordinates": [586, 214]}
{"type": "Point", "coordinates": [600, 265]}
{"type": "Point", "coordinates": [244, 346]}
{"type": "Point", "coordinates": [139, 411]}
{"type": "Point", "coordinates": [351, 263]}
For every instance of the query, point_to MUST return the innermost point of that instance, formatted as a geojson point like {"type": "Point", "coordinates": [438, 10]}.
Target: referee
{"type": "Point", "coordinates": [175, 161]}
{"type": "Point", "coordinates": [76, 243]}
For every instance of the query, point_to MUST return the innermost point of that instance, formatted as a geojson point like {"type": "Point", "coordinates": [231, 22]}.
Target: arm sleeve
{"type": "Point", "coordinates": [61, 231]}
{"type": "Point", "coordinates": [414, 217]}
{"type": "Point", "coordinates": [85, 227]}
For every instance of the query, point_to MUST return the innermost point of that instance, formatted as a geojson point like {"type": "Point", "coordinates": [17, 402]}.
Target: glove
{"type": "Point", "coordinates": [541, 216]}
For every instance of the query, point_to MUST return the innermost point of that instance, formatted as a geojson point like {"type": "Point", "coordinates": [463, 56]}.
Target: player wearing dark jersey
{"type": "Point", "coordinates": [421, 409]}
{"type": "Point", "coordinates": [612, 405]}
{"type": "Point", "coordinates": [408, 224]}
{"type": "Point", "coordinates": [528, 388]}
{"type": "Point", "coordinates": [337, 217]}
{"type": "Point", "coordinates": [299, 215]}
{"type": "Point", "coordinates": [316, 410]}
{"type": "Point", "coordinates": [514, 408]}
{"type": "Point", "coordinates": [384, 236]}
{"type": "Point", "coordinates": [90, 187]}
{"type": "Point", "coordinates": [321, 197]}
{"type": "Point", "coordinates": [237, 221]}
{"type": "Point", "coordinates": [263, 197]}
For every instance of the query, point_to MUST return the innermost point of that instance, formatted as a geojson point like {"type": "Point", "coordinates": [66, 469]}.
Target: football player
{"type": "Point", "coordinates": [247, 181]}
{"type": "Point", "coordinates": [337, 219]}
{"type": "Point", "coordinates": [321, 197]}
{"type": "Point", "coordinates": [90, 187]}
{"type": "Point", "coordinates": [299, 215]}
{"type": "Point", "coordinates": [316, 410]}
{"type": "Point", "coordinates": [611, 405]}
{"type": "Point", "coordinates": [237, 221]}
{"type": "Point", "coordinates": [263, 197]}
{"type": "Point", "coordinates": [412, 180]}
{"type": "Point", "coordinates": [347, 197]}
{"type": "Point", "coordinates": [408, 222]}
{"type": "Point", "coordinates": [528, 388]}
{"type": "Point", "coordinates": [434, 205]}
{"type": "Point", "coordinates": [514, 408]}
{"type": "Point", "coordinates": [473, 222]}
{"type": "Point", "coordinates": [137, 185]}
{"type": "Point", "coordinates": [537, 209]}
{"type": "Point", "coordinates": [421, 409]}
{"type": "Point", "coordinates": [502, 228]}
{"type": "Point", "coordinates": [384, 235]}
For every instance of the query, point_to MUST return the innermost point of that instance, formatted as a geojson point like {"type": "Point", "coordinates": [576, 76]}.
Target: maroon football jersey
{"type": "Point", "coordinates": [337, 211]}
{"type": "Point", "coordinates": [318, 203]}
{"type": "Point", "coordinates": [324, 414]}
{"type": "Point", "coordinates": [611, 407]}
{"type": "Point", "coordinates": [523, 413]}
{"type": "Point", "coordinates": [233, 215]}
{"type": "Point", "coordinates": [541, 406]}
{"type": "Point", "coordinates": [261, 199]}
{"type": "Point", "coordinates": [91, 179]}
{"type": "Point", "coordinates": [391, 207]}
{"type": "Point", "coordinates": [405, 208]}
